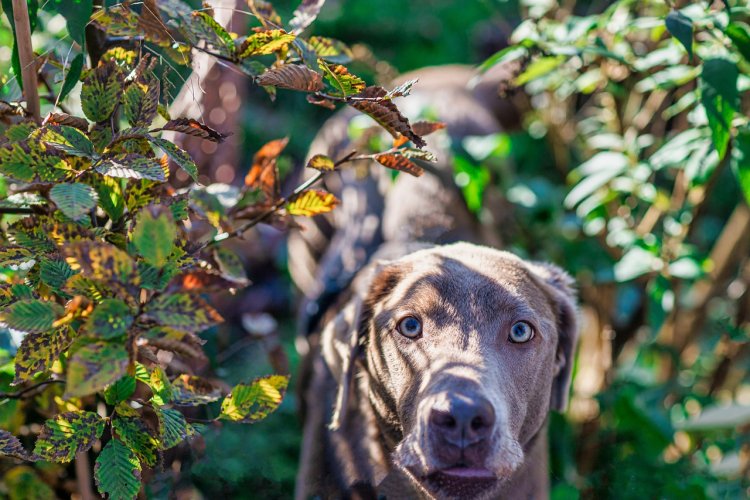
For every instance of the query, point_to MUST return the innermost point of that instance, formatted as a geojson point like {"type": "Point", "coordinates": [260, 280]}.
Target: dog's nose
{"type": "Point", "coordinates": [464, 420]}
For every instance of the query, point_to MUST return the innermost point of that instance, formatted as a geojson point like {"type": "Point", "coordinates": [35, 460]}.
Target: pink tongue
{"type": "Point", "coordinates": [468, 473]}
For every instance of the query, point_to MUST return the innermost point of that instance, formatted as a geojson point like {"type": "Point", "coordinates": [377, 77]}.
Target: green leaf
{"type": "Point", "coordinates": [160, 387]}
{"type": "Point", "coordinates": [95, 366]}
{"type": "Point", "coordinates": [117, 472]}
{"type": "Point", "coordinates": [681, 27]}
{"type": "Point", "coordinates": [74, 200]}
{"type": "Point", "coordinates": [120, 390]}
{"type": "Point", "coordinates": [720, 98]}
{"type": "Point", "coordinates": [33, 316]}
{"type": "Point", "coordinates": [177, 155]}
{"type": "Point", "coordinates": [69, 140]}
{"type": "Point", "coordinates": [507, 54]}
{"type": "Point", "coordinates": [264, 43]}
{"type": "Point", "coordinates": [189, 390]}
{"type": "Point", "coordinates": [38, 352]}
{"type": "Point", "coordinates": [213, 33]}
{"type": "Point", "coordinates": [111, 197]}
{"type": "Point", "coordinates": [132, 166]}
{"type": "Point", "coordinates": [140, 101]}
{"type": "Point", "coordinates": [54, 273]}
{"type": "Point", "coordinates": [739, 33]}
{"type": "Point", "coordinates": [101, 92]}
{"type": "Point", "coordinates": [67, 434]}
{"type": "Point", "coordinates": [23, 483]}
{"type": "Point", "coordinates": [173, 428]}
{"type": "Point", "coordinates": [254, 401]}
{"type": "Point", "coordinates": [183, 312]}
{"type": "Point", "coordinates": [339, 78]}
{"type": "Point", "coordinates": [110, 319]}
{"type": "Point", "coordinates": [136, 435]}
{"type": "Point", "coordinates": [741, 161]}
{"type": "Point", "coordinates": [10, 446]}
{"type": "Point", "coordinates": [154, 235]}
{"type": "Point", "coordinates": [636, 262]}
{"type": "Point", "coordinates": [71, 76]}
{"type": "Point", "coordinates": [328, 49]}
{"type": "Point", "coordinates": [76, 14]}
{"type": "Point", "coordinates": [230, 264]}
{"type": "Point", "coordinates": [538, 69]}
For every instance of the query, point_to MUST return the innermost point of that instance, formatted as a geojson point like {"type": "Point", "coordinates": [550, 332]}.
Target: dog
{"type": "Point", "coordinates": [430, 361]}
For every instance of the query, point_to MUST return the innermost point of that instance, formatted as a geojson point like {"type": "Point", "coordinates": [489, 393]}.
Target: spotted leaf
{"type": "Point", "coordinates": [173, 428]}
{"type": "Point", "coordinates": [74, 200]}
{"type": "Point", "coordinates": [254, 401]}
{"type": "Point", "coordinates": [100, 92]}
{"type": "Point", "coordinates": [38, 351]}
{"type": "Point", "coordinates": [67, 434]}
{"type": "Point", "coordinates": [136, 435]}
{"type": "Point", "coordinates": [110, 319]}
{"type": "Point", "coordinates": [132, 166]}
{"type": "Point", "coordinates": [399, 162]}
{"type": "Point", "coordinates": [10, 446]}
{"type": "Point", "coordinates": [182, 312]}
{"type": "Point", "coordinates": [95, 366]}
{"type": "Point", "coordinates": [265, 42]}
{"type": "Point", "coordinates": [189, 390]}
{"type": "Point", "coordinates": [177, 155]}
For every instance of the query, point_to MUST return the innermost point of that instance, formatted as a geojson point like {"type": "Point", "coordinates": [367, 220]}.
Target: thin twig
{"type": "Point", "coordinates": [15, 210]}
{"type": "Point", "coordinates": [22, 393]}
{"type": "Point", "coordinates": [26, 58]}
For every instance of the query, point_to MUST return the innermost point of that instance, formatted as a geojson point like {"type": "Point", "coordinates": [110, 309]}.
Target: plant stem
{"type": "Point", "coordinates": [22, 393]}
{"type": "Point", "coordinates": [26, 58]}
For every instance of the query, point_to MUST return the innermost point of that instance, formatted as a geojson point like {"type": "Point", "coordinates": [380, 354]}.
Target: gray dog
{"type": "Point", "coordinates": [430, 366]}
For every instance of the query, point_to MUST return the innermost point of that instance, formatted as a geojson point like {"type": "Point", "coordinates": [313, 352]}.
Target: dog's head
{"type": "Point", "coordinates": [466, 349]}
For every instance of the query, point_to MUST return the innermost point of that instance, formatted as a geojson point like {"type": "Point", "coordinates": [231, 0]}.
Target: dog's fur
{"type": "Point", "coordinates": [370, 394]}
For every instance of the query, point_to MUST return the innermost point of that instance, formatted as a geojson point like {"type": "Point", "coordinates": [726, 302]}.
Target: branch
{"type": "Point", "coordinates": [22, 393]}
{"type": "Point", "coordinates": [26, 58]}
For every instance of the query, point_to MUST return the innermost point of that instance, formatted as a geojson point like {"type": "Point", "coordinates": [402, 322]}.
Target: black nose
{"type": "Point", "coordinates": [463, 420]}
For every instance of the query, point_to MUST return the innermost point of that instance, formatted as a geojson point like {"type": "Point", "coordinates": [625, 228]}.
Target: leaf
{"type": "Point", "coordinates": [95, 366]}
{"type": "Point", "coordinates": [741, 161]}
{"type": "Point", "coordinates": [23, 483]}
{"type": "Point", "coordinates": [263, 174]}
{"type": "Point", "coordinates": [183, 312]}
{"type": "Point", "coordinates": [13, 256]}
{"type": "Point", "coordinates": [173, 428]}
{"type": "Point", "coordinates": [101, 261]}
{"type": "Point", "coordinates": [177, 155]}
{"type": "Point", "coordinates": [74, 200]}
{"type": "Point", "coordinates": [230, 265]}
{"type": "Point", "coordinates": [330, 50]}
{"type": "Point", "coordinates": [189, 390]}
{"type": "Point", "coordinates": [76, 14]}
{"type": "Point", "coordinates": [739, 33]}
{"type": "Point", "coordinates": [117, 472]}
{"type": "Point", "coordinates": [111, 319]}
{"type": "Point", "coordinates": [154, 235]}
{"type": "Point", "coordinates": [71, 76]}
{"type": "Point", "coordinates": [419, 154]}
{"type": "Point", "coordinates": [67, 434]}
{"type": "Point", "coordinates": [193, 127]}
{"type": "Point", "coordinates": [293, 77]}
{"type": "Point", "coordinates": [69, 140]}
{"type": "Point", "coordinates": [140, 100]}
{"type": "Point", "coordinates": [213, 33]}
{"type": "Point", "coordinates": [120, 390]}
{"type": "Point", "coordinates": [111, 197]}
{"type": "Point", "coordinates": [132, 166]}
{"type": "Point", "coordinates": [38, 352]}
{"type": "Point", "coordinates": [372, 102]}
{"type": "Point", "coordinates": [422, 128]}
{"type": "Point", "coordinates": [136, 435]}
{"type": "Point", "coordinates": [322, 163]}
{"type": "Point", "coordinates": [265, 43]}
{"type": "Point", "coordinates": [402, 90]}
{"type": "Point", "coordinates": [339, 78]}
{"type": "Point", "coordinates": [312, 202]}
{"type": "Point", "coordinates": [321, 101]}
{"type": "Point", "coordinates": [508, 54]}
{"type": "Point", "coordinates": [54, 273]}
{"type": "Point", "coordinates": [160, 387]}
{"type": "Point", "coordinates": [33, 316]}
{"type": "Point", "coordinates": [10, 446]}
{"type": "Point", "coordinates": [100, 92]}
{"type": "Point", "coordinates": [305, 14]}
{"type": "Point", "coordinates": [399, 162]}
{"type": "Point", "coordinates": [253, 402]}
{"type": "Point", "coordinates": [681, 27]}
{"type": "Point", "coordinates": [720, 98]}
{"type": "Point", "coordinates": [265, 13]}
{"type": "Point", "coordinates": [538, 69]}
{"type": "Point", "coordinates": [204, 280]}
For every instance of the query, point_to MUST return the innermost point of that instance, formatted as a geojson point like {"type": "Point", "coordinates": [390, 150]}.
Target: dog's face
{"type": "Point", "coordinates": [466, 349]}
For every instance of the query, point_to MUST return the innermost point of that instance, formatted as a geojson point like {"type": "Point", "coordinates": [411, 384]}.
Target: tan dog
{"type": "Point", "coordinates": [435, 368]}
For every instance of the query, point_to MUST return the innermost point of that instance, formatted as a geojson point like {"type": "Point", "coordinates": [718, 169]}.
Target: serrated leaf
{"type": "Point", "coordinates": [207, 28]}
{"type": "Point", "coordinates": [100, 92]}
{"type": "Point", "coordinates": [140, 101]}
{"type": "Point", "coordinates": [33, 316]}
{"type": "Point", "coordinates": [74, 200]}
{"type": "Point", "coordinates": [117, 472]}
{"type": "Point", "coordinates": [330, 50]}
{"type": "Point", "coordinates": [69, 140]}
{"type": "Point", "coordinates": [54, 273]}
{"type": "Point", "coordinates": [95, 366]}
{"type": "Point", "coordinates": [13, 256]}
{"type": "Point", "coordinates": [322, 163]}
{"type": "Point", "coordinates": [253, 402]}
{"type": "Point", "coordinates": [10, 446]}
{"type": "Point", "coordinates": [120, 390]}
{"type": "Point", "coordinates": [111, 319]}
{"type": "Point", "coordinates": [292, 77]}
{"type": "Point", "coordinates": [177, 155]}
{"type": "Point", "coordinates": [173, 428]}
{"type": "Point", "coordinates": [372, 101]}
{"type": "Point", "coordinates": [193, 127]}
{"type": "Point", "coordinates": [681, 27]}
{"type": "Point", "coordinates": [305, 14]}
{"type": "Point", "coordinates": [189, 390]}
{"type": "Point", "coordinates": [183, 312]}
{"type": "Point", "coordinates": [341, 79]}
{"type": "Point", "coordinates": [739, 33]}
{"type": "Point", "coordinates": [67, 120]}
{"type": "Point", "coordinates": [265, 43]}
{"type": "Point", "coordinates": [312, 202]}
{"type": "Point", "coordinates": [137, 436]}
{"type": "Point", "coordinates": [38, 352]}
{"type": "Point", "coordinates": [67, 434]}
{"type": "Point", "coordinates": [719, 97]}
{"type": "Point", "coordinates": [160, 387]}
{"type": "Point", "coordinates": [132, 166]}
{"type": "Point", "coordinates": [400, 163]}
{"type": "Point", "coordinates": [154, 235]}
{"type": "Point", "coordinates": [101, 261]}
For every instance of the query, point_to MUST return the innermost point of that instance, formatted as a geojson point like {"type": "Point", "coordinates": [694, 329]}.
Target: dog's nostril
{"type": "Point", "coordinates": [450, 422]}
{"type": "Point", "coordinates": [477, 423]}
{"type": "Point", "coordinates": [443, 419]}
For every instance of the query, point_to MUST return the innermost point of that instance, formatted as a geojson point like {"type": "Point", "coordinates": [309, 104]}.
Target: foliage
{"type": "Point", "coordinates": [104, 264]}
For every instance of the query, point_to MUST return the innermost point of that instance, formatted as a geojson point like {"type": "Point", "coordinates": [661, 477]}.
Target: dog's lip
{"type": "Point", "coordinates": [467, 473]}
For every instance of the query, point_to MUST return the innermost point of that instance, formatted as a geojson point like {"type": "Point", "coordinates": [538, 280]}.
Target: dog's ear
{"type": "Point", "coordinates": [344, 338]}
{"type": "Point", "coordinates": [561, 287]}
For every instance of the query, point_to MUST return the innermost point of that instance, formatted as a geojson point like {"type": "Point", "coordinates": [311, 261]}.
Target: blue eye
{"type": "Point", "coordinates": [409, 327]}
{"type": "Point", "coordinates": [521, 332]}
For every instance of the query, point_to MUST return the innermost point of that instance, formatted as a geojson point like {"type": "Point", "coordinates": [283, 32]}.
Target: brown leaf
{"type": "Point", "coordinates": [372, 102]}
{"type": "Point", "coordinates": [423, 128]}
{"type": "Point", "coordinates": [203, 280]}
{"type": "Point", "coordinates": [293, 77]}
{"type": "Point", "coordinates": [193, 127]}
{"type": "Point", "coordinates": [401, 163]}
{"type": "Point", "coordinates": [66, 119]}
{"type": "Point", "coordinates": [320, 101]}
{"type": "Point", "coordinates": [263, 174]}
{"type": "Point", "coordinates": [151, 23]}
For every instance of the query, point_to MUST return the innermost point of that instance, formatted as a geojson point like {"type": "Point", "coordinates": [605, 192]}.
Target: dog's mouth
{"type": "Point", "coordinates": [459, 482]}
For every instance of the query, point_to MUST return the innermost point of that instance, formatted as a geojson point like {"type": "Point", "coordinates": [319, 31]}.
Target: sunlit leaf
{"type": "Point", "coordinates": [193, 127]}
{"type": "Point", "coordinates": [265, 42]}
{"type": "Point", "coordinates": [189, 390]}
{"type": "Point", "coordinates": [321, 162]}
{"type": "Point", "coordinates": [372, 102]}
{"type": "Point", "coordinates": [33, 316]}
{"type": "Point", "coordinates": [400, 163]}
{"type": "Point", "coordinates": [312, 202]}
{"type": "Point", "coordinates": [305, 14]}
{"type": "Point", "coordinates": [131, 166]}
{"type": "Point", "coordinates": [154, 235]}
{"type": "Point", "coordinates": [120, 390]}
{"type": "Point", "coordinates": [67, 434]}
{"type": "Point", "coordinates": [137, 436]}
{"type": "Point", "coordinates": [254, 401]}
{"type": "Point", "coordinates": [177, 155]}
{"type": "Point", "coordinates": [38, 352]}
{"type": "Point", "coordinates": [183, 312]}
{"type": "Point", "coordinates": [100, 92]}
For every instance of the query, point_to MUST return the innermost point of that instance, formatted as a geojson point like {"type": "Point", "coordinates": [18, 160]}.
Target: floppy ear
{"type": "Point", "coordinates": [563, 296]}
{"type": "Point", "coordinates": [344, 338]}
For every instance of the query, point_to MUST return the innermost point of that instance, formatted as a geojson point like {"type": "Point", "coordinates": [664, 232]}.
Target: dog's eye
{"type": "Point", "coordinates": [409, 327]}
{"type": "Point", "coordinates": [521, 332]}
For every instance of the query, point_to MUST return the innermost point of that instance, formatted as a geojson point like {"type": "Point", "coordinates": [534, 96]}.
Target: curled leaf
{"type": "Point", "coordinates": [305, 14]}
{"type": "Point", "coordinates": [373, 102]}
{"type": "Point", "coordinates": [193, 127]}
{"type": "Point", "coordinates": [399, 162]}
{"type": "Point", "coordinates": [293, 77]}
